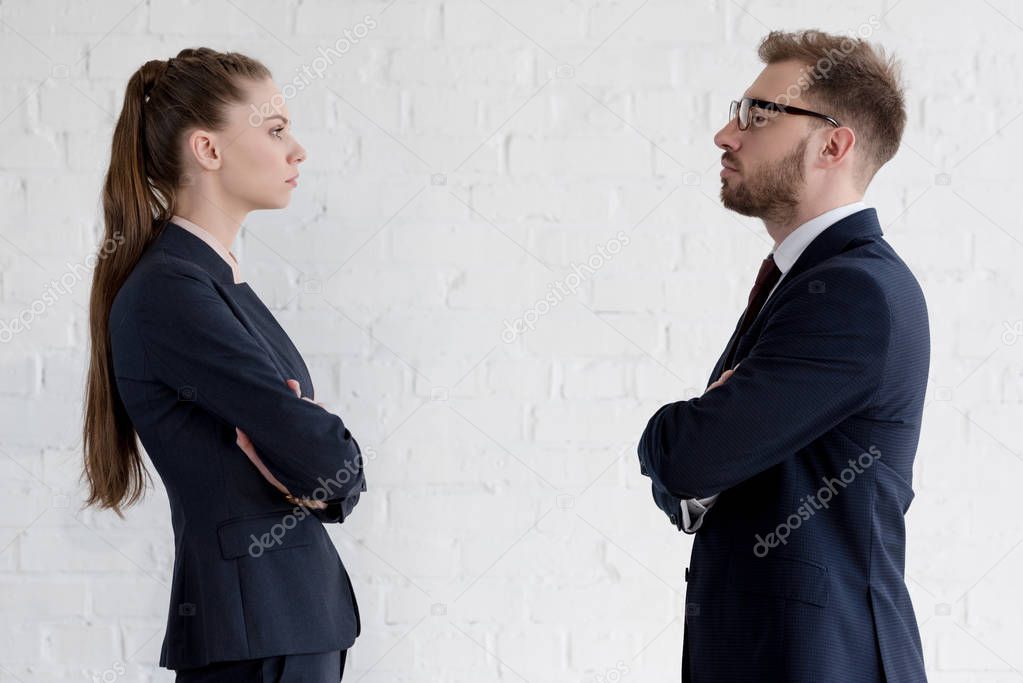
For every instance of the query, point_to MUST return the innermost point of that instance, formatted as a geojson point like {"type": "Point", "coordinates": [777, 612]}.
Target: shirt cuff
{"type": "Point", "coordinates": [693, 510]}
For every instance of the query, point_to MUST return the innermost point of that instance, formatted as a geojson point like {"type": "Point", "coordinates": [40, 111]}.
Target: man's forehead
{"type": "Point", "coordinates": [778, 81]}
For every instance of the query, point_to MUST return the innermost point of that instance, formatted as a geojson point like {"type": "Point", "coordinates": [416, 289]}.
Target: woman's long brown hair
{"type": "Point", "coordinates": [163, 100]}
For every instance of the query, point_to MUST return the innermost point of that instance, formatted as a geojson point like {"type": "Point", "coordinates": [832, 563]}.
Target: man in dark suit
{"type": "Point", "coordinates": [794, 468]}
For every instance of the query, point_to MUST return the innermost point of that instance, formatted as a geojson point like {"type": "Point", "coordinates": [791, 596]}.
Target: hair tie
{"type": "Point", "coordinates": [156, 80]}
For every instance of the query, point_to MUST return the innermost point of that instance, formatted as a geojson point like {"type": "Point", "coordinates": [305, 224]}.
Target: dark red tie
{"type": "Point", "coordinates": [767, 278]}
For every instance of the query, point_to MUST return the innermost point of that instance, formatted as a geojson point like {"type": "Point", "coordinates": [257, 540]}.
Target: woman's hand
{"type": "Point", "coordinates": [247, 447]}
{"type": "Point", "coordinates": [293, 385]}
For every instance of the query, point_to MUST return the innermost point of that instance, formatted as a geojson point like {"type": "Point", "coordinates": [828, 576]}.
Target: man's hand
{"type": "Point", "coordinates": [724, 375]}
{"type": "Point", "coordinates": [669, 507]}
{"type": "Point", "coordinates": [720, 380]}
{"type": "Point", "coordinates": [245, 444]}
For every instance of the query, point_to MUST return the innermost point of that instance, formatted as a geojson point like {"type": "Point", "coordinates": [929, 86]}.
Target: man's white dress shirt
{"type": "Point", "coordinates": [785, 256]}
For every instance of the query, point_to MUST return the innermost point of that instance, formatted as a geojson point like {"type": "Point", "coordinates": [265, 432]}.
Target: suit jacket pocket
{"type": "Point", "coordinates": [256, 535]}
{"type": "Point", "coordinates": [784, 577]}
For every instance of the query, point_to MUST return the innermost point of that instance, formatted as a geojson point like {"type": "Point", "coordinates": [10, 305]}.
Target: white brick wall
{"type": "Point", "coordinates": [456, 171]}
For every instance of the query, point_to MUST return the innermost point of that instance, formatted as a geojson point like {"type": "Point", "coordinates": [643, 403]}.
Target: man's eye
{"type": "Point", "coordinates": [759, 119]}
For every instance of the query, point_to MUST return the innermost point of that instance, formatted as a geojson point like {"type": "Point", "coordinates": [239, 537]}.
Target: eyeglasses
{"type": "Point", "coordinates": [743, 106]}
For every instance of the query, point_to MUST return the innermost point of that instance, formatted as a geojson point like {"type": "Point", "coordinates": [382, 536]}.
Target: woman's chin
{"type": "Point", "coordinates": [281, 202]}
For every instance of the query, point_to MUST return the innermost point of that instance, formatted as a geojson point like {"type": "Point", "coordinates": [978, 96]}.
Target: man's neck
{"type": "Point", "coordinates": [781, 228]}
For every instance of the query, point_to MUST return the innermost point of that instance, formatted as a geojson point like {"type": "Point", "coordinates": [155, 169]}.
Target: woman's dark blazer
{"type": "Point", "coordinates": [194, 356]}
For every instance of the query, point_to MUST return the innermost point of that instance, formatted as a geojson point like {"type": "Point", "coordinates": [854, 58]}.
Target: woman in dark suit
{"type": "Point", "coordinates": [186, 356]}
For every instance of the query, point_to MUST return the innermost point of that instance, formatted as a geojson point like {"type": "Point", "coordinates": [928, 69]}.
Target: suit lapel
{"type": "Point", "coordinates": [718, 367]}
{"type": "Point", "coordinates": [264, 327]}
{"type": "Point", "coordinates": [177, 240]}
{"type": "Point", "coordinates": [838, 237]}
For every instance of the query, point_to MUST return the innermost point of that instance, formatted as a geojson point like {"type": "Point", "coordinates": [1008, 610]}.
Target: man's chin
{"type": "Point", "coordinates": [729, 201]}
{"type": "Point", "coordinates": [744, 210]}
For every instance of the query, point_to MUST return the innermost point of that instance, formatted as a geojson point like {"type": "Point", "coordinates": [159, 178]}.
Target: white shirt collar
{"type": "Point", "coordinates": [207, 237]}
{"type": "Point", "coordinates": [786, 253]}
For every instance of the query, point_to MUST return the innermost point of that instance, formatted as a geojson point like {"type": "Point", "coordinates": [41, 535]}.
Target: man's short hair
{"type": "Point", "coordinates": [850, 80]}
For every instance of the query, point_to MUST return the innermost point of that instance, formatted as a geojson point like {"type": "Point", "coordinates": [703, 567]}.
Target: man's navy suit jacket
{"type": "Point", "coordinates": [797, 572]}
{"type": "Point", "coordinates": [194, 356]}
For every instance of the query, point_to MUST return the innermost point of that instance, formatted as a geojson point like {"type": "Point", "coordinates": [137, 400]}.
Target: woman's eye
{"type": "Point", "coordinates": [276, 132]}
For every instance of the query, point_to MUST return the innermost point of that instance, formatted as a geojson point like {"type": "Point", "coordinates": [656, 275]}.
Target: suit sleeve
{"type": "Point", "coordinates": [670, 504]}
{"type": "Point", "coordinates": [196, 345]}
{"type": "Point", "coordinates": [338, 509]}
{"type": "Point", "coordinates": [819, 359]}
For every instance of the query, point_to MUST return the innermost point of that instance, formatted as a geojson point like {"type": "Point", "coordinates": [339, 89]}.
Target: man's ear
{"type": "Point", "coordinates": [838, 145]}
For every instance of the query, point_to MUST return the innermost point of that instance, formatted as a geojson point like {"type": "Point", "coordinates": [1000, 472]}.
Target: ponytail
{"type": "Point", "coordinates": [162, 101]}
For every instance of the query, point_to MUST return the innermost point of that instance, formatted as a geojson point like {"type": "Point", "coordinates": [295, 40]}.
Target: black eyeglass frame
{"type": "Point", "coordinates": [736, 110]}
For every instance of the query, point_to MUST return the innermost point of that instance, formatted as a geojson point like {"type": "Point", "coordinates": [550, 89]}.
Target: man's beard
{"type": "Point", "coordinates": [771, 192]}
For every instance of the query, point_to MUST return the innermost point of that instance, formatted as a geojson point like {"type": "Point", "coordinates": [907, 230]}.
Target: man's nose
{"type": "Point", "coordinates": [728, 137]}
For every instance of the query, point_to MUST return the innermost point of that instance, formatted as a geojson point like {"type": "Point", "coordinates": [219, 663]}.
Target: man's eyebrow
{"type": "Point", "coordinates": [767, 99]}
